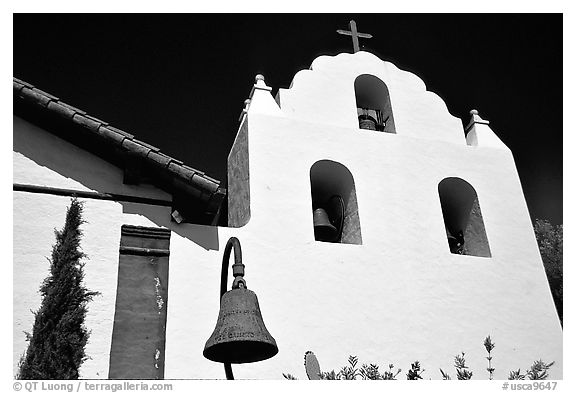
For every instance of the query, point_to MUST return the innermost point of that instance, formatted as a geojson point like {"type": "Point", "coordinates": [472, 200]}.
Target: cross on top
{"type": "Point", "coordinates": [355, 35]}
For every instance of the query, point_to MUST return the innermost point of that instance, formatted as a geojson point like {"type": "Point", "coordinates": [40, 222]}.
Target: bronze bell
{"type": "Point", "coordinates": [323, 229]}
{"type": "Point", "coordinates": [240, 335]}
{"type": "Point", "coordinates": [367, 122]}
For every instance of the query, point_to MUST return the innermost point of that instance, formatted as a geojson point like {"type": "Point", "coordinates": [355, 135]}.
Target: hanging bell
{"type": "Point", "coordinates": [240, 335]}
{"type": "Point", "coordinates": [367, 122]}
{"type": "Point", "coordinates": [323, 229]}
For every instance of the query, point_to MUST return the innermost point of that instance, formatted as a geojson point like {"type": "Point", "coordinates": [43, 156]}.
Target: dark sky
{"type": "Point", "coordinates": [179, 81]}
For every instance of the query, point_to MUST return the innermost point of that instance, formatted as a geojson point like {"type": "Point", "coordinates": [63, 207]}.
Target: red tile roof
{"type": "Point", "coordinates": [117, 146]}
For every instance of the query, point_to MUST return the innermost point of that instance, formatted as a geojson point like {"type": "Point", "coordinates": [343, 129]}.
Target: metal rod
{"type": "Point", "coordinates": [89, 194]}
{"type": "Point", "coordinates": [232, 242]}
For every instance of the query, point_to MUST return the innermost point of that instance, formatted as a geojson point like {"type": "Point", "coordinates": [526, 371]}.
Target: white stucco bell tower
{"type": "Point", "coordinates": [371, 224]}
{"type": "Point", "coordinates": [437, 249]}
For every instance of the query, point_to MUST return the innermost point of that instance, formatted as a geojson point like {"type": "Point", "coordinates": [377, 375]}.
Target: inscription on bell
{"type": "Point", "coordinates": [236, 312]}
{"type": "Point", "coordinates": [241, 335]}
{"type": "Point", "coordinates": [232, 335]}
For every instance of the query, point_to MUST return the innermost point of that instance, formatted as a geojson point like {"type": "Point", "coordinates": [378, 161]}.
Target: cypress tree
{"type": "Point", "coordinates": [56, 345]}
{"type": "Point", "coordinates": [550, 242]}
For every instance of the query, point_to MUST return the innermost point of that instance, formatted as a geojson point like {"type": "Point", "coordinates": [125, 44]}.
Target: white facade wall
{"type": "Point", "coordinates": [401, 296]}
{"type": "Point", "coordinates": [45, 160]}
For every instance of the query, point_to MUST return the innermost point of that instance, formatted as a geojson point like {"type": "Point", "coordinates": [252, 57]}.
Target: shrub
{"type": "Point", "coordinates": [538, 370]}
{"type": "Point", "coordinates": [56, 345]}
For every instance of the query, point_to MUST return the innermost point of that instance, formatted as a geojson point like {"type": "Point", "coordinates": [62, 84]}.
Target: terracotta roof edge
{"type": "Point", "coordinates": [50, 103]}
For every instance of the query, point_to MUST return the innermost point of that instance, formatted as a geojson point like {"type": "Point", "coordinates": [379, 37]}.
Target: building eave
{"type": "Point", "coordinates": [202, 194]}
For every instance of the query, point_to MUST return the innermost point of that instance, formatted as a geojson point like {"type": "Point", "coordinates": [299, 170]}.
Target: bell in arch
{"type": "Point", "coordinates": [367, 122]}
{"type": "Point", "coordinates": [323, 229]}
{"type": "Point", "coordinates": [240, 335]}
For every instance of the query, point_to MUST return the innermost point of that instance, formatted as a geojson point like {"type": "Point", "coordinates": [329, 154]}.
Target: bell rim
{"type": "Point", "coordinates": [272, 348]}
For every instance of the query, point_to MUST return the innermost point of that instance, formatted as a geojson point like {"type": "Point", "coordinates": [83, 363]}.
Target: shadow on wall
{"type": "Point", "coordinates": [203, 235]}
{"type": "Point", "coordinates": [70, 161]}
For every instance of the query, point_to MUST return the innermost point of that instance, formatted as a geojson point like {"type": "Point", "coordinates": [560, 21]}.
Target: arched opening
{"type": "Point", "coordinates": [463, 218]}
{"type": "Point", "coordinates": [334, 203]}
{"type": "Point", "coordinates": [373, 104]}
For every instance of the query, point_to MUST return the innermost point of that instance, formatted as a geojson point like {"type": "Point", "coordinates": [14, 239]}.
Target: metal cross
{"type": "Point", "coordinates": [355, 35]}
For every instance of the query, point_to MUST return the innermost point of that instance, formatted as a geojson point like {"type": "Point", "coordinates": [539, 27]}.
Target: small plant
{"type": "Point", "coordinates": [349, 372]}
{"type": "Point", "coordinates": [445, 376]}
{"type": "Point", "coordinates": [390, 374]}
{"type": "Point", "coordinates": [539, 370]}
{"type": "Point", "coordinates": [415, 372]}
{"type": "Point", "coordinates": [372, 372]}
{"type": "Point", "coordinates": [515, 375]}
{"type": "Point", "coordinates": [489, 345]}
{"type": "Point", "coordinates": [462, 372]}
{"type": "Point", "coordinates": [369, 372]}
{"type": "Point", "coordinates": [329, 376]}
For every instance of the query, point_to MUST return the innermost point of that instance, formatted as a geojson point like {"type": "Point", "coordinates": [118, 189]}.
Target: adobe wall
{"type": "Point", "coordinates": [401, 295]}
{"type": "Point", "coordinates": [398, 297]}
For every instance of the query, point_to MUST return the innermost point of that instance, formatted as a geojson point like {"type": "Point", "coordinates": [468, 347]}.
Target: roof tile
{"type": "Point", "coordinates": [54, 98]}
{"type": "Point", "coordinates": [60, 109]}
{"type": "Point", "coordinates": [86, 122]}
{"type": "Point", "coordinates": [72, 108]}
{"type": "Point", "coordinates": [135, 147]}
{"type": "Point", "coordinates": [204, 183]}
{"type": "Point", "coordinates": [17, 87]}
{"type": "Point", "coordinates": [96, 119]}
{"type": "Point", "coordinates": [153, 148]}
{"type": "Point", "coordinates": [161, 159]}
{"type": "Point", "coordinates": [111, 135]}
{"type": "Point", "coordinates": [175, 161]}
{"type": "Point", "coordinates": [34, 96]}
{"type": "Point", "coordinates": [211, 179]}
{"type": "Point", "coordinates": [119, 131]}
{"type": "Point", "coordinates": [193, 169]}
{"type": "Point", "coordinates": [185, 178]}
{"type": "Point", "coordinates": [180, 171]}
{"type": "Point", "coordinates": [23, 83]}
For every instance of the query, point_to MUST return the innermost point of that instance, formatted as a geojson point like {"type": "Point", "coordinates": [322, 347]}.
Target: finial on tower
{"type": "Point", "coordinates": [245, 110]}
{"type": "Point", "coordinates": [259, 83]}
{"type": "Point", "coordinates": [260, 98]}
{"type": "Point", "coordinates": [475, 119]}
{"type": "Point", "coordinates": [355, 35]}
